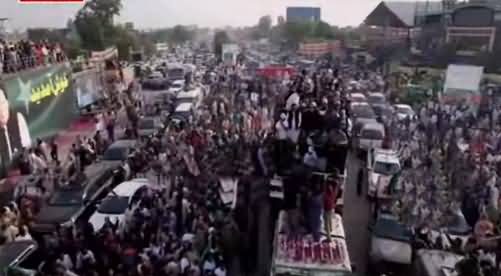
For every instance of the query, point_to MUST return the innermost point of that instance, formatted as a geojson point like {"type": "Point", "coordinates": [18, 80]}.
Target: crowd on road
{"type": "Point", "coordinates": [254, 129]}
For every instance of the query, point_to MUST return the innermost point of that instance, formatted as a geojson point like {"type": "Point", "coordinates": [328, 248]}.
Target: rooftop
{"type": "Point", "coordinates": [404, 12]}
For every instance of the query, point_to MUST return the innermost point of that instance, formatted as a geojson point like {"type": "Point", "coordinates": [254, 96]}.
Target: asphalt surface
{"type": "Point", "coordinates": [356, 216]}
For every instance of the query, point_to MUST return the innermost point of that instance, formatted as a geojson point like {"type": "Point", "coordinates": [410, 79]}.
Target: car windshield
{"type": "Point", "coordinates": [66, 198]}
{"type": "Point", "coordinates": [363, 111]}
{"type": "Point", "coordinates": [381, 110]}
{"type": "Point", "coordinates": [371, 134]}
{"type": "Point", "coordinates": [386, 168]}
{"type": "Point", "coordinates": [404, 110]}
{"type": "Point", "coordinates": [376, 99]}
{"type": "Point", "coordinates": [176, 85]}
{"type": "Point", "coordinates": [114, 205]}
{"type": "Point", "coordinates": [146, 124]}
{"type": "Point", "coordinates": [115, 154]}
{"type": "Point", "coordinates": [357, 98]}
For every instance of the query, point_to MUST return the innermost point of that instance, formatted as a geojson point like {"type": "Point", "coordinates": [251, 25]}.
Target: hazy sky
{"type": "Point", "coordinates": [210, 13]}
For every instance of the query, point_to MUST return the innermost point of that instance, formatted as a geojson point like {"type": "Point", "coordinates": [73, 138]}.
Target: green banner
{"type": "Point", "coordinates": [44, 97]}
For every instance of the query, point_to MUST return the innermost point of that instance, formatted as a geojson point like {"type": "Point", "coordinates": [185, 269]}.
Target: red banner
{"type": "Point", "coordinates": [276, 71]}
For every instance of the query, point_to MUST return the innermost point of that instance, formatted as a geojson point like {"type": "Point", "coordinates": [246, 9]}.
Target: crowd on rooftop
{"type": "Point", "coordinates": [25, 54]}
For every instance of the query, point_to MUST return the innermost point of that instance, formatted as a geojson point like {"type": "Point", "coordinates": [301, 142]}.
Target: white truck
{"type": "Point", "coordinates": [381, 166]}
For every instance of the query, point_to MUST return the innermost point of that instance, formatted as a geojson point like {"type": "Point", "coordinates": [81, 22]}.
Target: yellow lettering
{"type": "Point", "coordinates": [57, 87]}
{"type": "Point", "coordinates": [53, 87]}
{"type": "Point", "coordinates": [47, 91]}
{"type": "Point", "coordinates": [36, 95]}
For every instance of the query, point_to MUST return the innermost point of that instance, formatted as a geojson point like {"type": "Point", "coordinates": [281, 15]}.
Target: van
{"type": "Point", "coordinates": [371, 135]}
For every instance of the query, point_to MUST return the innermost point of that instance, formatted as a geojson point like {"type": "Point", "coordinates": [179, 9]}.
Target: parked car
{"type": "Point", "coordinates": [403, 111]}
{"type": "Point", "coordinates": [114, 156]}
{"type": "Point", "coordinates": [390, 244]}
{"type": "Point", "coordinates": [357, 98]}
{"type": "Point", "coordinates": [183, 113]}
{"type": "Point", "coordinates": [148, 126]}
{"type": "Point", "coordinates": [375, 99]}
{"type": "Point", "coordinates": [362, 110]}
{"type": "Point", "coordinates": [382, 165]}
{"type": "Point", "coordinates": [383, 112]}
{"type": "Point", "coordinates": [155, 80]}
{"type": "Point", "coordinates": [118, 151]}
{"type": "Point", "coordinates": [113, 206]}
{"type": "Point", "coordinates": [70, 202]}
{"type": "Point", "coordinates": [371, 136]}
{"type": "Point", "coordinates": [176, 86]}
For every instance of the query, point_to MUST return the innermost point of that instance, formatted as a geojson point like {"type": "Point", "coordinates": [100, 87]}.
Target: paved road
{"type": "Point", "coordinates": [356, 216]}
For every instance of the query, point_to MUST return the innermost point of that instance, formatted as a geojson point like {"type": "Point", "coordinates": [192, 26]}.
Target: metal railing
{"type": "Point", "coordinates": [19, 64]}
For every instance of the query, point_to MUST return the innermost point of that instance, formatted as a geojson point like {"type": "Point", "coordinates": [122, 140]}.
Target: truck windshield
{"type": "Point", "coordinates": [386, 168]}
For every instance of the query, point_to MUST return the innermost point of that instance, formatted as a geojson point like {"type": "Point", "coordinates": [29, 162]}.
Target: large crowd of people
{"type": "Point", "coordinates": [24, 54]}
{"type": "Point", "coordinates": [250, 128]}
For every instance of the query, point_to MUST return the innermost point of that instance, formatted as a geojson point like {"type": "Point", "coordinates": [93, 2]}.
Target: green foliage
{"type": "Point", "coordinates": [177, 35]}
{"type": "Point", "coordinates": [296, 32]}
{"type": "Point", "coordinates": [181, 34]}
{"type": "Point", "coordinates": [263, 27]}
{"type": "Point", "coordinates": [220, 38]}
{"type": "Point", "coordinates": [323, 30]}
{"type": "Point", "coordinates": [125, 41]}
{"type": "Point", "coordinates": [94, 23]}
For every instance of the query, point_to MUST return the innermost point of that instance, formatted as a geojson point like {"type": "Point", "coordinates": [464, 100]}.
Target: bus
{"type": "Point", "coordinates": [297, 255]}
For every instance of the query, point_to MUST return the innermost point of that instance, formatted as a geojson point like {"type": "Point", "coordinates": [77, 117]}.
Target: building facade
{"type": "Point", "coordinates": [318, 49]}
{"type": "Point", "coordinates": [303, 14]}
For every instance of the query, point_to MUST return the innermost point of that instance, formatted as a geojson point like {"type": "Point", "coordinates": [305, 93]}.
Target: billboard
{"type": "Point", "coordinates": [462, 83]}
{"type": "Point", "coordinates": [41, 103]}
{"type": "Point", "coordinates": [303, 14]}
{"type": "Point", "coordinates": [88, 87]}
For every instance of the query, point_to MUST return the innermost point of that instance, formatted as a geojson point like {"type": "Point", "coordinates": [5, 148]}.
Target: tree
{"type": "Point", "coordinates": [264, 26]}
{"type": "Point", "coordinates": [220, 38]}
{"type": "Point", "coordinates": [125, 41]}
{"type": "Point", "coordinates": [323, 30]}
{"type": "Point", "coordinates": [296, 32]}
{"type": "Point", "coordinates": [94, 23]}
{"type": "Point", "coordinates": [181, 34]}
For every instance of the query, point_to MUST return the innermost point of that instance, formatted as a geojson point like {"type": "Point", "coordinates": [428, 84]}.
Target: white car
{"type": "Point", "coordinates": [403, 111]}
{"type": "Point", "coordinates": [371, 136]}
{"type": "Point", "coordinates": [358, 98]}
{"type": "Point", "coordinates": [382, 165]}
{"type": "Point", "coordinates": [376, 99]}
{"type": "Point", "coordinates": [176, 86]}
{"type": "Point", "coordinates": [126, 195]}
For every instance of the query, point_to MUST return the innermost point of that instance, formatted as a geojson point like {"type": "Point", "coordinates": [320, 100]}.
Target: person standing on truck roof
{"type": "Point", "coordinates": [330, 196]}
{"type": "Point", "coordinates": [315, 206]}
